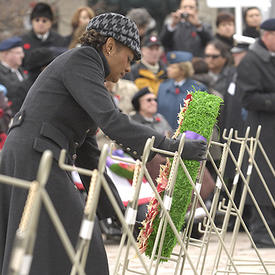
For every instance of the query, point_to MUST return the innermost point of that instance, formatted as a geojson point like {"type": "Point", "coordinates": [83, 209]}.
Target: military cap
{"type": "Point", "coordinates": [121, 28]}
{"type": "Point", "coordinates": [268, 25]}
{"type": "Point", "coordinates": [10, 43]}
{"type": "Point", "coordinates": [42, 10]}
{"type": "Point", "coordinates": [138, 95]}
{"type": "Point", "coordinates": [178, 57]}
{"type": "Point", "coordinates": [240, 47]}
{"type": "Point", "coordinates": [151, 40]}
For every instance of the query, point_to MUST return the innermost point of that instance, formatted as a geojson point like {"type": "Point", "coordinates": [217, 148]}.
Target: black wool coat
{"type": "Point", "coordinates": [63, 109]}
{"type": "Point", "coordinates": [256, 84]}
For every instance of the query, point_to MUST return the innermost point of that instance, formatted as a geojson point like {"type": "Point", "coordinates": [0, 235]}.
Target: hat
{"type": "Point", "coordinates": [42, 10]}
{"type": "Point", "coordinates": [10, 43]}
{"type": "Point", "coordinates": [240, 47]}
{"type": "Point", "coordinates": [268, 25]}
{"type": "Point", "coordinates": [178, 57]}
{"type": "Point", "coordinates": [150, 40]}
{"type": "Point", "coordinates": [38, 58]}
{"type": "Point", "coordinates": [138, 95]}
{"type": "Point", "coordinates": [121, 28]}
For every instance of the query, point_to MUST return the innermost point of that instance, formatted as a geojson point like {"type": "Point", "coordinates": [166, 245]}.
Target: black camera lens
{"type": "Point", "coordinates": [184, 15]}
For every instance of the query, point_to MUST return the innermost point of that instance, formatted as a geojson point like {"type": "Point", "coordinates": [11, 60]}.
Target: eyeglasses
{"type": "Point", "coordinates": [151, 99]}
{"type": "Point", "coordinates": [43, 20]}
{"type": "Point", "coordinates": [214, 56]}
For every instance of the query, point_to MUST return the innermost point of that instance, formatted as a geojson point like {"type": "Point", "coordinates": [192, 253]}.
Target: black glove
{"type": "Point", "coordinates": [194, 149]}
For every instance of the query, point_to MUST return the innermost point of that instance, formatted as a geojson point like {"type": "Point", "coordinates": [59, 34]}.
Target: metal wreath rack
{"type": "Point", "coordinates": [190, 256]}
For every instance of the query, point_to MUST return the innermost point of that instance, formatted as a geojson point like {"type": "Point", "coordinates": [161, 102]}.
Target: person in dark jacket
{"type": "Point", "coordinates": [35, 63]}
{"type": "Point", "coordinates": [256, 82]}
{"type": "Point", "coordinates": [41, 34]}
{"type": "Point", "coordinates": [225, 28]}
{"type": "Point", "coordinates": [185, 32]}
{"type": "Point", "coordinates": [252, 19]}
{"type": "Point", "coordinates": [11, 57]}
{"type": "Point", "coordinates": [63, 109]}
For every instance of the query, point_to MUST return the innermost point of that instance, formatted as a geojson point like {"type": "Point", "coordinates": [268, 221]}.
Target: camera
{"type": "Point", "coordinates": [184, 15]}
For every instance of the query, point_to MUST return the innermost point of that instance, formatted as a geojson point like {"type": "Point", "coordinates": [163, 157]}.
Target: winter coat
{"type": "Point", "coordinates": [158, 122]}
{"type": "Point", "coordinates": [256, 83]}
{"type": "Point", "coordinates": [170, 98]}
{"type": "Point", "coordinates": [143, 77]}
{"type": "Point", "coordinates": [63, 109]}
{"type": "Point", "coordinates": [186, 37]}
{"type": "Point", "coordinates": [54, 41]}
{"type": "Point", "coordinates": [10, 80]}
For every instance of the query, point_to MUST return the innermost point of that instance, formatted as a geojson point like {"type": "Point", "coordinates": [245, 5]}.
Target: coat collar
{"type": "Point", "coordinates": [260, 50]}
{"type": "Point", "coordinates": [105, 64]}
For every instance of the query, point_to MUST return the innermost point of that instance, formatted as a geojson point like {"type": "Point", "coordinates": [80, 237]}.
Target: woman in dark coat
{"type": "Point", "coordinates": [63, 109]}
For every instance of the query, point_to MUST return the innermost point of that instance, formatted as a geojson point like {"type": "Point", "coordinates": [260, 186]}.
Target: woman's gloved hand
{"type": "Point", "coordinates": [194, 149]}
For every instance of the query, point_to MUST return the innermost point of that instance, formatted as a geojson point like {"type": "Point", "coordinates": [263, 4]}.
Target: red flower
{"type": "Point", "coordinates": [157, 119]}
{"type": "Point", "coordinates": [27, 46]}
{"type": "Point", "coordinates": [193, 34]}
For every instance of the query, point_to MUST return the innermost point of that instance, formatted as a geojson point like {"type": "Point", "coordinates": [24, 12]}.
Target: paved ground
{"type": "Point", "coordinates": [244, 256]}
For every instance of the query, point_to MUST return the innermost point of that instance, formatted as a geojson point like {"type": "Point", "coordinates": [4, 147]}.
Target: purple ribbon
{"type": "Point", "coordinates": [193, 135]}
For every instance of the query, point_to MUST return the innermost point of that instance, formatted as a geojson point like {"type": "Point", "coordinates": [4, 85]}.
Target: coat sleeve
{"type": "Point", "coordinates": [166, 37]}
{"type": "Point", "coordinates": [83, 77]}
{"type": "Point", "coordinates": [250, 85]}
{"type": "Point", "coordinates": [205, 33]}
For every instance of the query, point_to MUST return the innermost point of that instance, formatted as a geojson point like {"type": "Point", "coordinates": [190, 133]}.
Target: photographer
{"type": "Point", "coordinates": [185, 32]}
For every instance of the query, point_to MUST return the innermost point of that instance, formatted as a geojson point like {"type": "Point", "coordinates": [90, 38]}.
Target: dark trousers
{"type": "Point", "coordinates": [257, 228]}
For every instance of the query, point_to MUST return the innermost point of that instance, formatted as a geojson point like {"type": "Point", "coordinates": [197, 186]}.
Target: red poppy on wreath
{"type": "Point", "coordinates": [27, 46]}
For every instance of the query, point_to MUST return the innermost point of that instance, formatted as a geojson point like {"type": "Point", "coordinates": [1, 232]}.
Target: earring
{"type": "Point", "coordinates": [109, 52]}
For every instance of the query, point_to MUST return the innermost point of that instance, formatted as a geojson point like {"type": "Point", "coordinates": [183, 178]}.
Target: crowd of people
{"type": "Point", "coordinates": [184, 56]}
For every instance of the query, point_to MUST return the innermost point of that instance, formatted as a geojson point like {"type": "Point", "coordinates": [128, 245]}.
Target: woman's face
{"type": "Point", "coordinates": [84, 18]}
{"type": "Point", "coordinates": [226, 29]}
{"type": "Point", "coordinates": [119, 59]}
{"type": "Point", "coordinates": [174, 72]}
{"type": "Point", "coordinates": [253, 18]}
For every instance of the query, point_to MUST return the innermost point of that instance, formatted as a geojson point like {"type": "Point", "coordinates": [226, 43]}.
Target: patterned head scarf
{"type": "Point", "coordinates": [121, 28]}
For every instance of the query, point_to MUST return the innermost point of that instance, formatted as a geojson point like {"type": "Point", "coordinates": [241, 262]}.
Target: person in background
{"type": "Point", "coordinates": [41, 34]}
{"type": "Point", "coordinates": [252, 20]}
{"type": "Point", "coordinates": [150, 71]}
{"type": "Point", "coordinates": [80, 20]}
{"type": "Point", "coordinates": [185, 32]}
{"type": "Point", "coordinates": [144, 21]}
{"type": "Point", "coordinates": [256, 83]}
{"type": "Point", "coordinates": [218, 59]}
{"type": "Point", "coordinates": [11, 58]}
{"type": "Point", "coordinates": [172, 91]}
{"type": "Point", "coordinates": [35, 63]}
{"type": "Point", "coordinates": [225, 28]}
{"type": "Point", "coordinates": [146, 106]}
{"type": "Point", "coordinates": [5, 115]}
